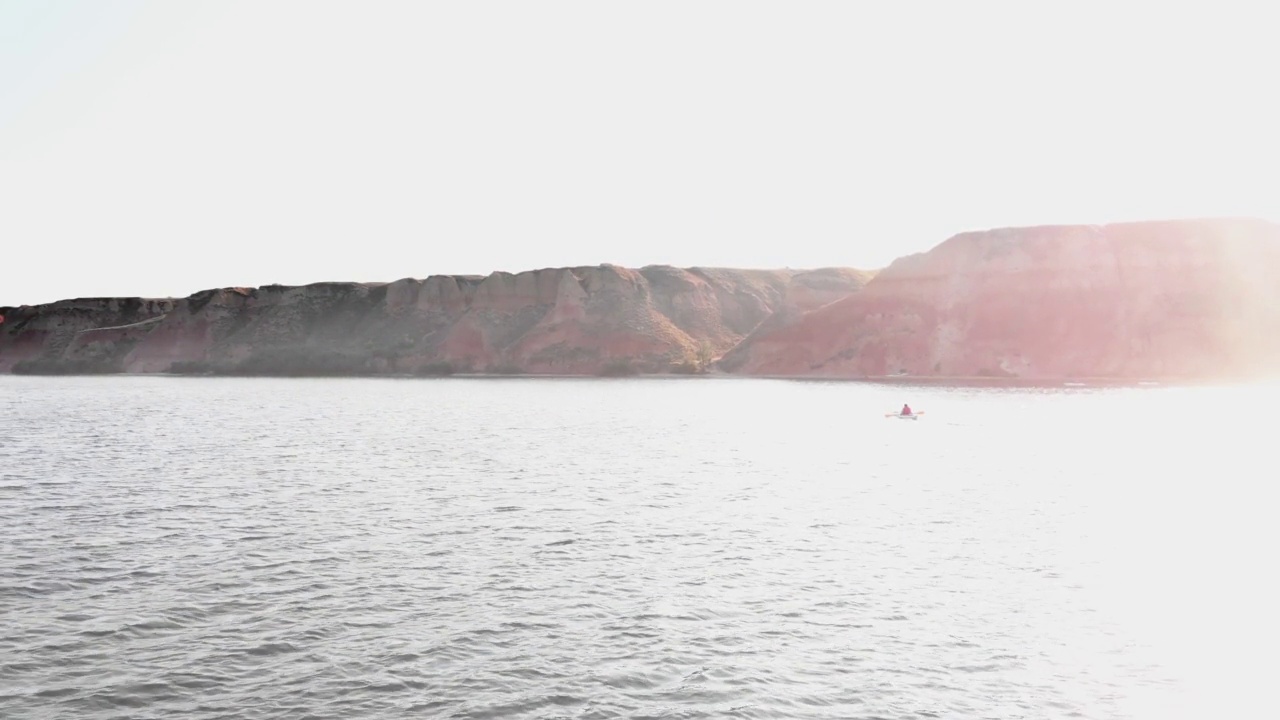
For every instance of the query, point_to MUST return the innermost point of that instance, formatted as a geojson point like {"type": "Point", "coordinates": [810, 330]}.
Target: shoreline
{"type": "Point", "coordinates": [894, 380]}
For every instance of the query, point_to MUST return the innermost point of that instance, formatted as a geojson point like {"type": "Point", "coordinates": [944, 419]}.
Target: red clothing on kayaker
{"type": "Point", "coordinates": [906, 409]}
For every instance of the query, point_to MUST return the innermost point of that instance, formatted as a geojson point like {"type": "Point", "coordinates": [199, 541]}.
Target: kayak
{"type": "Point", "coordinates": [900, 416]}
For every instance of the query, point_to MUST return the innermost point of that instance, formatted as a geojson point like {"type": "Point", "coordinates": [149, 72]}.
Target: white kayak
{"type": "Point", "coordinates": [900, 416]}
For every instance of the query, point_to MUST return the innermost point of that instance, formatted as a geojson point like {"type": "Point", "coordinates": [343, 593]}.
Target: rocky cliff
{"type": "Point", "coordinates": [585, 320]}
{"type": "Point", "coordinates": [84, 331]}
{"type": "Point", "coordinates": [1177, 299]}
{"type": "Point", "coordinates": [1174, 299]}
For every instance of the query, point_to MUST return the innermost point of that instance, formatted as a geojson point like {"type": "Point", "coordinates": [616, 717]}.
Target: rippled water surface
{"type": "Point", "coordinates": [253, 548]}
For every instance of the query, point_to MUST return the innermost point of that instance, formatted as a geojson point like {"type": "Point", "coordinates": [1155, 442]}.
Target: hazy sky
{"type": "Point", "coordinates": [158, 148]}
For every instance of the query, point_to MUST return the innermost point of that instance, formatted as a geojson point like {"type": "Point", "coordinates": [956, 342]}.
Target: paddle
{"type": "Point", "coordinates": [898, 414]}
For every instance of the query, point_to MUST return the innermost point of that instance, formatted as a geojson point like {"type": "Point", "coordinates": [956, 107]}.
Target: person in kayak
{"type": "Point", "coordinates": [906, 409]}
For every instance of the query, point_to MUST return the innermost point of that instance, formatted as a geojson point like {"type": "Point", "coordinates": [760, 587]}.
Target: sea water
{"type": "Point", "coordinates": [640, 548]}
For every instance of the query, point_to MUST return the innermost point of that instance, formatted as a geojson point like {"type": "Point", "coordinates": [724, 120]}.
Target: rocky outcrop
{"type": "Point", "coordinates": [807, 291]}
{"type": "Point", "coordinates": [1178, 299]}
{"type": "Point", "coordinates": [1160, 300]}
{"type": "Point", "coordinates": [90, 333]}
{"type": "Point", "coordinates": [576, 321]}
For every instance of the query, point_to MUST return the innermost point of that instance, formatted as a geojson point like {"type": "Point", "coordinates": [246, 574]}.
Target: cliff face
{"type": "Point", "coordinates": [90, 330]}
{"type": "Point", "coordinates": [587, 320]}
{"type": "Point", "coordinates": [1177, 299]}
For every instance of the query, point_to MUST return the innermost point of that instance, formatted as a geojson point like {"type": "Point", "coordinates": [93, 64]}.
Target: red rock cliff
{"type": "Point", "coordinates": [1176, 299]}
{"type": "Point", "coordinates": [86, 328]}
{"type": "Point", "coordinates": [585, 320]}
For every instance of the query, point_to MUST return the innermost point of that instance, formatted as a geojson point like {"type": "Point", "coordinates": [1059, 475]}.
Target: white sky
{"type": "Point", "coordinates": [162, 148]}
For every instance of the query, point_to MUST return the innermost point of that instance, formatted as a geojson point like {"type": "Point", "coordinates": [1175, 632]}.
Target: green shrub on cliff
{"type": "Point", "coordinates": [619, 368]}
{"type": "Point", "coordinates": [688, 367]}
{"type": "Point", "coordinates": [66, 367]}
{"type": "Point", "coordinates": [435, 369]}
{"type": "Point", "coordinates": [191, 367]}
{"type": "Point", "coordinates": [302, 362]}
{"type": "Point", "coordinates": [697, 364]}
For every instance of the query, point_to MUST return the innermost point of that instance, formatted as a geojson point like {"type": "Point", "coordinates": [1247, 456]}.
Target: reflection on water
{"type": "Point", "coordinates": [180, 547]}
